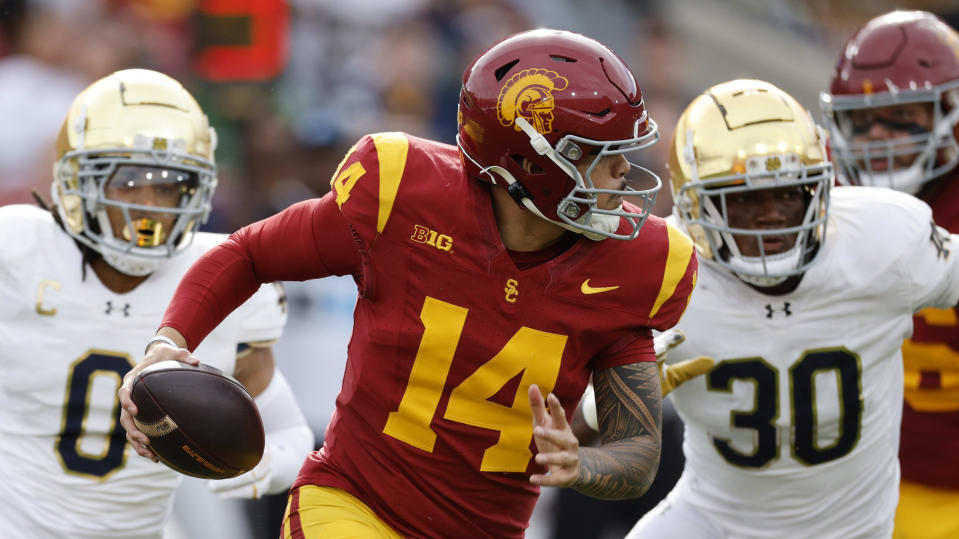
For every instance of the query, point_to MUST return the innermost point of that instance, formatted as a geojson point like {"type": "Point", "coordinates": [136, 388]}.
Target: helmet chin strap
{"type": "Point", "coordinates": [528, 204]}
{"type": "Point", "coordinates": [495, 171]}
{"type": "Point", "coordinates": [608, 223]}
{"type": "Point", "coordinates": [542, 147]}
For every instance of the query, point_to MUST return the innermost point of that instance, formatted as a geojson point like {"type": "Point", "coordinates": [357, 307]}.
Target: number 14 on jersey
{"type": "Point", "coordinates": [535, 354]}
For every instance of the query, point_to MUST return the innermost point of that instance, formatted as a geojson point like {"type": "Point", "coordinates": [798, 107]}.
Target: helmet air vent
{"type": "Point", "coordinates": [504, 69]}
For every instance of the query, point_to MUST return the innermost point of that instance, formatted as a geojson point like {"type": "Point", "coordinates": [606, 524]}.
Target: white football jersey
{"type": "Point", "coordinates": [795, 431]}
{"type": "Point", "coordinates": [65, 467]}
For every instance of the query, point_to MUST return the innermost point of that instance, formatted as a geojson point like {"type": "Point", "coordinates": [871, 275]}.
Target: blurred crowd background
{"type": "Point", "coordinates": [291, 84]}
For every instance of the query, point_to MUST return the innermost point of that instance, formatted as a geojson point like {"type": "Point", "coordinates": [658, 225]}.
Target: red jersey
{"type": "Point", "coordinates": [433, 428]}
{"type": "Point", "coordinates": [930, 418]}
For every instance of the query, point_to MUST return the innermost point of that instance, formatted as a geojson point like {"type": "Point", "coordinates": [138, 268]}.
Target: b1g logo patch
{"type": "Point", "coordinates": [422, 234]}
{"type": "Point", "coordinates": [529, 95]}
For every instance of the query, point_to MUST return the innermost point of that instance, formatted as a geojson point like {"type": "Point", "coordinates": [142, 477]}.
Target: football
{"type": "Point", "coordinates": [201, 422]}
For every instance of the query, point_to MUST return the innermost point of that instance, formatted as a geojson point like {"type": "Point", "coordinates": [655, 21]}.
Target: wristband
{"type": "Point", "coordinates": [159, 338]}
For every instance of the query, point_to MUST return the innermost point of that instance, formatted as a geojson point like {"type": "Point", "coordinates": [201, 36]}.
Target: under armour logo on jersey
{"type": "Point", "coordinates": [770, 310]}
{"type": "Point", "coordinates": [939, 241]}
{"type": "Point", "coordinates": [511, 290]}
{"type": "Point", "coordinates": [125, 309]}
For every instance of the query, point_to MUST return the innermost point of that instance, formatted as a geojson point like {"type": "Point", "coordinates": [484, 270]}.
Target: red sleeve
{"type": "Point", "coordinates": [306, 241]}
{"type": "Point", "coordinates": [633, 349]}
{"type": "Point", "coordinates": [676, 281]}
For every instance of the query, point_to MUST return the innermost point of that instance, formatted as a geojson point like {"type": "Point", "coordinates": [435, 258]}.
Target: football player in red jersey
{"type": "Point", "coordinates": [893, 112]}
{"type": "Point", "coordinates": [492, 285]}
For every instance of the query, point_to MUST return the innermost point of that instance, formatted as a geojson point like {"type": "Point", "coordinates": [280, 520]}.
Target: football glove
{"type": "Point", "coordinates": [251, 485]}
{"type": "Point", "coordinates": [673, 375]}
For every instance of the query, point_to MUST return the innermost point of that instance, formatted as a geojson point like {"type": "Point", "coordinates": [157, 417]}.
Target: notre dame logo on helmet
{"type": "Point", "coordinates": [529, 94]}
{"type": "Point", "coordinates": [773, 163]}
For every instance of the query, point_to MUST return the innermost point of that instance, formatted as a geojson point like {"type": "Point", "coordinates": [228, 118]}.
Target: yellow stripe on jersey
{"type": "Point", "coordinates": [342, 183]}
{"type": "Point", "coordinates": [680, 253]}
{"type": "Point", "coordinates": [940, 317]}
{"type": "Point", "coordinates": [689, 297]}
{"type": "Point", "coordinates": [391, 150]}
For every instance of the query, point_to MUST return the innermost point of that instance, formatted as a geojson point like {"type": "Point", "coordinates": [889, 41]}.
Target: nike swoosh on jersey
{"type": "Point", "coordinates": [586, 289]}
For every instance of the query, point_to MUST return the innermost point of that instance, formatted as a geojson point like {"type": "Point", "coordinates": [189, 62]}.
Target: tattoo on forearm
{"type": "Point", "coordinates": [629, 408]}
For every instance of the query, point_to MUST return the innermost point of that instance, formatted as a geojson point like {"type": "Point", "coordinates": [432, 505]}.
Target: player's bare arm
{"type": "Point", "coordinates": [255, 369]}
{"type": "Point", "coordinates": [629, 408]}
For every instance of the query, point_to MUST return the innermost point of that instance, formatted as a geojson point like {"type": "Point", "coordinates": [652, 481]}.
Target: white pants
{"type": "Point", "coordinates": [675, 517]}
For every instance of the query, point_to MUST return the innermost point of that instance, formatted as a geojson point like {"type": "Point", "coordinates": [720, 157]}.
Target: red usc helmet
{"type": "Point", "coordinates": [898, 58]}
{"type": "Point", "coordinates": [557, 99]}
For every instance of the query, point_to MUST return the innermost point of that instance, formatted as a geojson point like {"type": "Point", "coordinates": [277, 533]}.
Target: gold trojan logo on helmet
{"type": "Point", "coordinates": [529, 94]}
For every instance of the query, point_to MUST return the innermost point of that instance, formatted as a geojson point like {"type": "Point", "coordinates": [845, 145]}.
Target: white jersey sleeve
{"type": "Point", "coordinates": [261, 318]}
{"type": "Point", "coordinates": [927, 263]}
{"type": "Point", "coordinates": [16, 241]}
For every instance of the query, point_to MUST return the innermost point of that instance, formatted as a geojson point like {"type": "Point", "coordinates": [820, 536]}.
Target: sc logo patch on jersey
{"type": "Point", "coordinates": [512, 290]}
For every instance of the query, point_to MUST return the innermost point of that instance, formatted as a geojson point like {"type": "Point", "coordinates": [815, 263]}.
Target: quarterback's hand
{"type": "Point", "coordinates": [556, 445]}
{"type": "Point", "coordinates": [251, 485]}
{"type": "Point", "coordinates": [157, 352]}
{"type": "Point", "coordinates": [673, 375]}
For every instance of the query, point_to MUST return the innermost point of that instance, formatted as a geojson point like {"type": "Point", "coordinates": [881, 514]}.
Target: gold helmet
{"type": "Point", "coordinates": [136, 127]}
{"type": "Point", "coordinates": [740, 136]}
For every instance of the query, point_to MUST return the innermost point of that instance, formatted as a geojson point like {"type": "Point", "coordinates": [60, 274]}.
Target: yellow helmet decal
{"type": "Point", "coordinates": [529, 94]}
